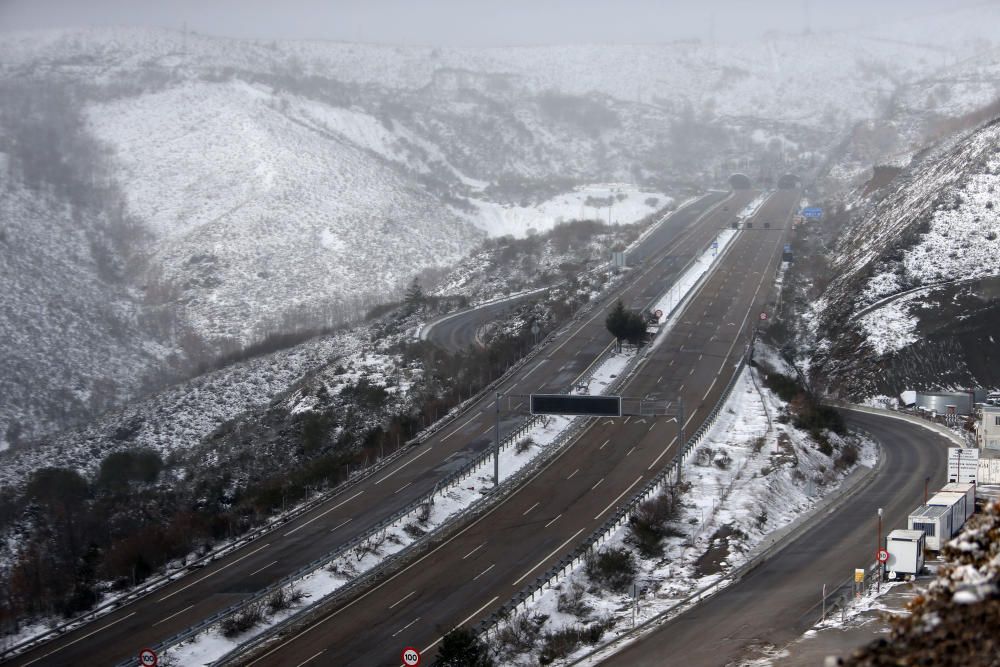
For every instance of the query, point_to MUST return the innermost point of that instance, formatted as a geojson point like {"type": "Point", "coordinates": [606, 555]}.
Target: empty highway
{"type": "Point", "coordinates": [177, 606]}
{"type": "Point", "coordinates": [480, 567]}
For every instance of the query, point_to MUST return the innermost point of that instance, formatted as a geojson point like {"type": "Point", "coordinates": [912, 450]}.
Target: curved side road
{"type": "Point", "coordinates": [457, 331]}
{"type": "Point", "coordinates": [472, 573]}
{"type": "Point", "coordinates": [315, 533]}
{"type": "Point", "coordinates": [778, 601]}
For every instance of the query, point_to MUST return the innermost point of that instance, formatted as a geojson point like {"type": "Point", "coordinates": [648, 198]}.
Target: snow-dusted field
{"type": "Point", "coordinates": [614, 203]}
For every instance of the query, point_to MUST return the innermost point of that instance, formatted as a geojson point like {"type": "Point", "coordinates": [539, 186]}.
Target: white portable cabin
{"type": "Point", "coordinates": [953, 501]}
{"type": "Point", "coordinates": [969, 490]}
{"type": "Point", "coordinates": [934, 521]}
{"type": "Point", "coordinates": [906, 551]}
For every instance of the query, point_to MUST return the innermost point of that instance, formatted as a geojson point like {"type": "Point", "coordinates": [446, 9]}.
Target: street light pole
{"type": "Point", "coordinates": [878, 547]}
{"type": "Point", "coordinates": [679, 459]}
{"type": "Point", "coordinates": [496, 447]}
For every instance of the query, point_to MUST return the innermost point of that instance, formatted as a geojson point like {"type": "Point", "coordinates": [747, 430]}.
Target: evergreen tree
{"type": "Point", "coordinates": [617, 322]}
{"type": "Point", "coordinates": [462, 648]}
{"type": "Point", "coordinates": [415, 298]}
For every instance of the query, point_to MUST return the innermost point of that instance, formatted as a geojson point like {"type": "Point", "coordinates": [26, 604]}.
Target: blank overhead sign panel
{"type": "Point", "coordinates": [569, 404]}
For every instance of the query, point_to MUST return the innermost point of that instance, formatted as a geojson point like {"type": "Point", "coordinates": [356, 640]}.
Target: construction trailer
{"type": "Point", "coordinates": [935, 522]}
{"type": "Point", "coordinates": [969, 490]}
{"type": "Point", "coordinates": [956, 503]}
{"type": "Point", "coordinates": [906, 551]}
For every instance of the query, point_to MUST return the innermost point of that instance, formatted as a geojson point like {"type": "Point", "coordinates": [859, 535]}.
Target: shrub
{"type": "Point", "coordinates": [703, 455]}
{"type": "Point", "coordinates": [519, 634]}
{"type": "Point", "coordinates": [785, 387]}
{"type": "Point", "coordinates": [612, 568]}
{"type": "Point", "coordinates": [524, 445]}
{"type": "Point", "coordinates": [722, 460]}
{"type": "Point", "coordinates": [571, 601]}
{"type": "Point", "coordinates": [283, 598]}
{"type": "Point", "coordinates": [462, 648]}
{"type": "Point", "coordinates": [650, 522]}
{"type": "Point", "coordinates": [242, 620]}
{"type": "Point", "coordinates": [847, 458]}
{"type": "Point", "coordinates": [120, 468]}
{"type": "Point", "coordinates": [561, 643]}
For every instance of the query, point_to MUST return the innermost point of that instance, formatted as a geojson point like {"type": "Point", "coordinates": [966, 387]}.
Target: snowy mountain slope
{"type": "Point", "coordinates": [792, 77]}
{"type": "Point", "coordinates": [287, 185]}
{"type": "Point", "coordinates": [937, 226]}
{"type": "Point", "coordinates": [262, 218]}
{"type": "Point", "coordinates": [72, 341]}
{"type": "Point", "coordinates": [180, 418]}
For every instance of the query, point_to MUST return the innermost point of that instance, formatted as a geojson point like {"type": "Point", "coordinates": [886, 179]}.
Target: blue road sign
{"type": "Point", "coordinates": [788, 247]}
{"type": "Point", "coordinates": [812, 212]}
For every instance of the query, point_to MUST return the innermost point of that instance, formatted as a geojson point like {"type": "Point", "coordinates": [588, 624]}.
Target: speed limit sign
{"type": "Point", "coordinates": [763, 316]}
{"type": "Point", "coordinates": [411, 657]}
{"type": "Point", "coordinates": [147, 658]}
{"type": "Point", "coordinates": [882, 555]}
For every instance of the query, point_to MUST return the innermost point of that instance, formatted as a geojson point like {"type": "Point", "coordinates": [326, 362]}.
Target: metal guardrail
{"type": "Point", "coordinates": [417, 548]}
{"type": "Point", "coordinates": [568, 563]}
{"type": "Point", "coordinates": [158, 583]}
{"type": "Point", "coordinates": [166, 579]}
{"type": "Point", "coordinates": [383, 525]}
{"type": "Point", "coordinates": [574, 430]}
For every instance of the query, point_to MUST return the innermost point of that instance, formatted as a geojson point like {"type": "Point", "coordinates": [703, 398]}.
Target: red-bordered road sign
{"type": "Point", "coordinates": [882, 555]}
{"type": "Point", "coordinates": [763, 316]}
{"type": "Point", "coordinates": [659, 314]}
{"type": "Point", "coordinates": [411, 657]}
{"type": "Point", "coordinates": [147, 658]}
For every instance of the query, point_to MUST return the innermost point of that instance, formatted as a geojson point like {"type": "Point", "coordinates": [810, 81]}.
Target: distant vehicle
{"type": "Point", "coordinates": [993, 398]}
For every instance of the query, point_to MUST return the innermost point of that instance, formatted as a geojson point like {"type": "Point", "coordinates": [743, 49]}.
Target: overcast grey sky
{"type": "Point", "coordinates": [469, 22]}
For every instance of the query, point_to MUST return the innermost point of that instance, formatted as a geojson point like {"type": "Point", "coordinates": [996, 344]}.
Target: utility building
{"type": "Point", "coordinates": [988, 429]}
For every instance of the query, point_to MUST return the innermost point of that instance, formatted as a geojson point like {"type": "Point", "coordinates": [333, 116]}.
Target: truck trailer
{"type": "Point", "coordinates": [906, 551]}
{"type": "Point", "coordinates": [935, 522]}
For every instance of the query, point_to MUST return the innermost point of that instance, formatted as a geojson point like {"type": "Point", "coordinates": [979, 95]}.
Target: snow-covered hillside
{"type": "Point", "coordinates": [264, 213]}
{"type": "Point", "coordinates": [286, 185]}
{"type": "Point", "coordinates": [914, 275]}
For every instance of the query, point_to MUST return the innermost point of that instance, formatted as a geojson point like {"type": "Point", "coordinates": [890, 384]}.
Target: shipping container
{"type": "Point", "coordinates": [953, 501]}
{"type": "Point", "coordinates": [935, 522]}
{"type": "Point", "coordinates": [970, 495]}
{"type": "Point", "coordinates": [906, 551]}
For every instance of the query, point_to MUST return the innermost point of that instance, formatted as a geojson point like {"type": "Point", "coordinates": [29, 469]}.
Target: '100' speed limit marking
{"type": "Point", "coordinates": [411, 657]}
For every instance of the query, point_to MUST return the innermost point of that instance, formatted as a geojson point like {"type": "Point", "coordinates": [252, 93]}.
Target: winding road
{"type": "Point", "coordinates": [480, 567]}
{"type": "Point", "coordinates": [780, 599]}
{"type": "Point", "coordinates": [122, 633]}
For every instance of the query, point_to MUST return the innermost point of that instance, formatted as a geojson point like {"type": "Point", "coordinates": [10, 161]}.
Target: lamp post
{"type": "Point", "coordinates": [496, 447]}
{"type": "Point", "coordinates": [878, 547]}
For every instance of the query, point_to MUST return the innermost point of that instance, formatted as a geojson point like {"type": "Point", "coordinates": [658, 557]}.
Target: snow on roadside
{"type": "Point", "coordinates": [212, 644]}
{"type": "Point", "coordinates": [746, 481]}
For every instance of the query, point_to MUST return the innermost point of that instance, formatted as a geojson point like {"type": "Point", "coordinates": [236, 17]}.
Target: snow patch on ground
{"type": "Point", "coordinates": [890, 327]}
{"type": "Point", "coordinates": [617, 203]}
{"type": "Point", "coordinates": [751, 479]}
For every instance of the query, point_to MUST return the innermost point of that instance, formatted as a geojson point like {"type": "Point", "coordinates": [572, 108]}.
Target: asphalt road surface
{"type": "Point", "coordinates": [170, 610]}
{"type": "Point", "coordinates": [474, 572]}
{"type": "Point", "coordinates": [457, 331]}
{"type": "Point", "coordinates": [779, 600]}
